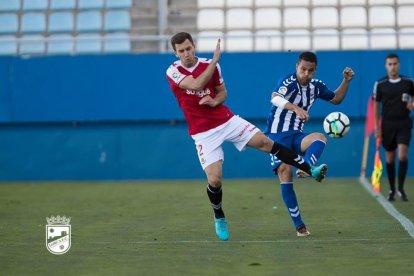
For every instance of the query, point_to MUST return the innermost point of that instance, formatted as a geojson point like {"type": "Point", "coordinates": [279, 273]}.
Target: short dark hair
{"type": "Point", "coordinates": [392, 55]}
{"type": "Point", "coordinates": [179, 38]}
{"type": "Point", "coordinates": [308, 56]}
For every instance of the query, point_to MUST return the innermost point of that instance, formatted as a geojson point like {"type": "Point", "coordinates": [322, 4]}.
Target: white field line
{"type": "Point", "coordinates": [298, 240]}
{"type": "Point", "coordinates": [405, 222]}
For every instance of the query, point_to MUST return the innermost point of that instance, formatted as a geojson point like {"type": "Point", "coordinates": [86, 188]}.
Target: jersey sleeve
{"type": "Point", "coordinates": [324, 92]}
{"type": "Point", "coordinates": [217, 77]}
{"type": "Point", "coordinates": [376, 93]}
{"type": "Point", "coordinates": [174, 75]}
{"type": "Point", "coordinates": [281, 89]}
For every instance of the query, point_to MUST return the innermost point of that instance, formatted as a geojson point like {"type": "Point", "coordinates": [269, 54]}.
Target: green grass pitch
{"type": "Point", "coordinates": [166, 228]}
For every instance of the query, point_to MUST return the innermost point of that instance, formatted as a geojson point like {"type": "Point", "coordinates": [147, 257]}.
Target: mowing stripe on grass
{"type": "Point", "coordinates": [405, 222]}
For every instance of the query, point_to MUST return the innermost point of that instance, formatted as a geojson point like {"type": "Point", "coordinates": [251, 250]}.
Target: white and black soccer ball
{"type": "Point", "coordinates": [336, 124]}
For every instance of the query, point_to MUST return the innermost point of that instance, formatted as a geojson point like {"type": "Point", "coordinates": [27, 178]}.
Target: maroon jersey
{"type": "Point", "coordinates": [200, 118]}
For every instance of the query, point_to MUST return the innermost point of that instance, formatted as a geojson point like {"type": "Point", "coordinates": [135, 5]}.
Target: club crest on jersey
{"type": "Point", "coordinates": [282, 90]}
{"type": "Point", "coordinates": [58, 233]}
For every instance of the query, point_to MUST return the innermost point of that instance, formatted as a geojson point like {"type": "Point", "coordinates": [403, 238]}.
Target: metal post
{"type": "Point", "coordinates": [162, 23]}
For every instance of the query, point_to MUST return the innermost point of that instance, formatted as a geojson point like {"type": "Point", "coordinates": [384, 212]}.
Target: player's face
{"type": "Point", "coordinates": [393, 67]}
{"type": "Point", "coordinates": [186, 53]}
{"type": "Point", "coordinates": [305, 71]}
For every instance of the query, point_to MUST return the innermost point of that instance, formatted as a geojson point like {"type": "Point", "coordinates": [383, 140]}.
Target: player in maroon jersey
{"type": "Point", "coordinates": [198, 85]}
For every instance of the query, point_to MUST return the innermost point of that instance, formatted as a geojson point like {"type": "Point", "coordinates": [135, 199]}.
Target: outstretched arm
{"type": "Point", "coordinates": [221, 96]}
{"type": "Point", "coordinates": [342, 89]}
{"type": "Point", "coordinates": [198, 83]}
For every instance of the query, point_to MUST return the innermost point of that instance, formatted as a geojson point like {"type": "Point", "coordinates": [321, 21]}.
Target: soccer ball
{"type": "Point", "coordinates": [336, 124]}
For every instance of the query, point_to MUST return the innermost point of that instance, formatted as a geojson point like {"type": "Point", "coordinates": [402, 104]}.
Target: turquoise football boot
{"type": "Point", "coordinates": [319, 172]}
{"type": "Point", "coordinates": [222, 231]}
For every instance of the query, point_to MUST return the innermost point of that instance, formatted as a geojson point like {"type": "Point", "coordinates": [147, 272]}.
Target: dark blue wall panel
{"type": "Point", "coordinates": [5, 88]}
{"type": "Point", "coordinates": [90, 88]}
{"type": "Point", "coordinates": [134, 87]}
{"type": "Point", "coordinates": [147, 151]}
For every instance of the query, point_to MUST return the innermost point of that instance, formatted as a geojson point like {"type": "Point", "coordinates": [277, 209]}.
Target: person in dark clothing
{"type": "Point", "coordinates": [393, 96]}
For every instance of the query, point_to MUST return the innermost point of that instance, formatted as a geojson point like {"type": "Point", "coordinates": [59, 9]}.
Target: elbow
{"type": "Point", "coordinates": [191, 83]}
{"type": "Point", "coordinates": [335, 102]}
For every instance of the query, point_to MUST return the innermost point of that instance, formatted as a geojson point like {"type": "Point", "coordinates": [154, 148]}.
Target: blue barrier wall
{"type": "Point", "coordinates": [112, 117]}
{"type": "Point", "coordinates": [146, 151]}
{"type": "Point", "coordinates": [134, 87]}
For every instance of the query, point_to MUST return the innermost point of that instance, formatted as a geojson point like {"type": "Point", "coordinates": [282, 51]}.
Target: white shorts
{"type": "Point", "coordinates": [208, 143]}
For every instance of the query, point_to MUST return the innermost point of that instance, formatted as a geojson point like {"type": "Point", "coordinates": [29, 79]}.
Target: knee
{"type": "Point", "coordinates": [215, 181]}
{"type": "Point", "coordinates": [402, 153]}
{"type": "Point", "coordinates": [390, 157]}
{"type": "Point", "coordinates": [285, 173]}
{"type": "Point", "coordinates": [261, 142]}
{"type": "Point", "coordinates": [320, 136]}
{"type": "Point", "coordinates": [403, 158]}
{"type": "Point", "coordinates": [267, 144]}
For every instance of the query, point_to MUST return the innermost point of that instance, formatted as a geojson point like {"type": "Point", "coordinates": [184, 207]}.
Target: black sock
{"type": "Point", "coordinates": [215, 195]}
{"type": "Point", "coordinates": [402, 173]}
{"type": "Point", "coordinates": [290, 157]}
{"type": "Point", "coordinates": [391, 175]}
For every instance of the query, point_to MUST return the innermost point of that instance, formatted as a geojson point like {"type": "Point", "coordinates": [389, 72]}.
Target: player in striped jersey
{"type": "Point", "coordinates": [292, 99]}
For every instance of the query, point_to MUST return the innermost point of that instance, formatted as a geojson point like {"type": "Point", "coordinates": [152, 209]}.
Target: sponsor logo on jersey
{"type": "Point", "coordinates": [282, 90]}
{"type": "Point", "coordinates": [199, 93]}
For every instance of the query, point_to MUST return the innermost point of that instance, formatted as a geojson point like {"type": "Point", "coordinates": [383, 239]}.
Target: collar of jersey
{"type": "Point", "coordinates": [395, 81]}
{"type": "Point", "coordinates": [191, 69]}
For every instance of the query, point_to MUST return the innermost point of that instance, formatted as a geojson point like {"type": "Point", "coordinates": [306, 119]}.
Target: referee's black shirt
{"type": "Point", "coordinates": [390, 94]}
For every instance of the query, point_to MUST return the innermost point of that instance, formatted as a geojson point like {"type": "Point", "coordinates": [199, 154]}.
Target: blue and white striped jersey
{"type": "Point", "coordinates": [280, 120]}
